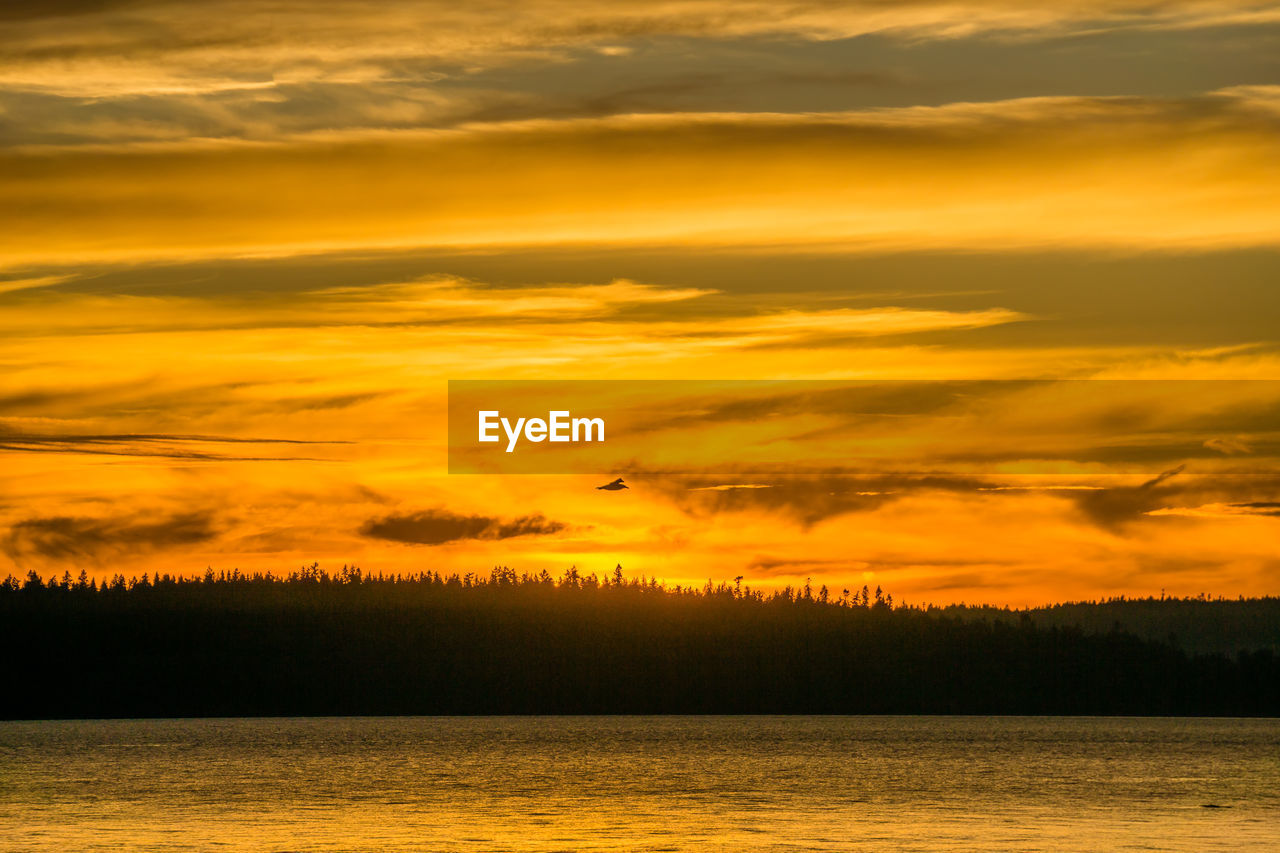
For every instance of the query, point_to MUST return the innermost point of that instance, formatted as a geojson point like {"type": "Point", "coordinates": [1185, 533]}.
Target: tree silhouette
{"type": "Point", "coordinates": [349, 642]}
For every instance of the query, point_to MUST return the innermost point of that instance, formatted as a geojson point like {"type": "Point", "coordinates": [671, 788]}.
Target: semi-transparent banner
{"type": "Point", "coordinates": [868, 427]}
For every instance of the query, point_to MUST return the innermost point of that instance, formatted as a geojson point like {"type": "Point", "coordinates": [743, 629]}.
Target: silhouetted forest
{"type": "Point", "coordinates": [1200, 625]}
{"type": "Point", "coordinates": [316, 643]}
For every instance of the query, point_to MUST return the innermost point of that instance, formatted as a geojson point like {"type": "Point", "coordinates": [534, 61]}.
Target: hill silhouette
{"type": "Point", "coordinates": [347, 643]}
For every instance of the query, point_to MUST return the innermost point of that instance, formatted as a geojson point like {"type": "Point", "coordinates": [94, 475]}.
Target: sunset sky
{"type": "Point", "coordinates": [246, 245]}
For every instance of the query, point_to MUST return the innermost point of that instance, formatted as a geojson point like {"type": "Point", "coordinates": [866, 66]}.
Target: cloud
{"type": "Point", "coordinates": [124, 49]}
{"type": "Point", "coordinates": [438, 526]}
{"type": "Point", "coordinates": [932, 573]}
{"type": "Point", "coordinates": [58, 9]}
{"type": "Point", "coordinates": [725, 487]}
{"type": "Point", "coordinates": [1033, 172]}
{"type": "Point", "coordinates": [1220, 495]}
{"type": "Point", "coordinates": [767, 566]}
{"type": "Point", "coordinates": [10, 285]}
{"type": "Point", "coordinates": [789, 326]}
{"type": "Point", "coordinates": [808, 499]}
{"type": "Point", "coordinates": [434, 301]}
{"type": "Point", "coordinates": [1263, 507]}
{"type": "Point", "coordinates": [539, 324]}
{"type": "Point", "coordinates": [443, 299]}
{"type": "Point", "coordinates": [1114, 506]}
{"type": "Point", "coordinates": [145, 445]}
{"type": "Point", "coordinates": [811, 499]}
{"type": "Point", "coordinates": [854, 400]}
{"type": "Point", "coordinates": [1222, 510]}
{"type": "Point", "coordinates": [1228, 446]}
{"type": "Point", "coordinates": [69, 538]}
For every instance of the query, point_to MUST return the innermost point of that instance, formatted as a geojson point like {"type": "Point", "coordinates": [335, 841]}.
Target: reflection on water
{"type": "Point", "coordinates": [641, 783]}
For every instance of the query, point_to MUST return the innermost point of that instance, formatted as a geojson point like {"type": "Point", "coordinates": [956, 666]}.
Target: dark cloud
{"type": "Point", "coordinates": [85, 438]}
{"type": "Point", "coordinates": [24, 401]}
{"type": "Point", "coordinates": [807, 499]}
{"type": "Point", "coordinates": [337, 401]}
{"type": "Point", "coordinates": [1157, 450]}
{"type": "Point", "coordinates": [438, 526]}
{"type": "Point", "coordinates": [857, 401]}
{"type": "Point", "coordinates": [65, 8]}
{"type": "Point", "coordinates": [161, 454]}
{"type": "Point", "coordinates": [1115, 506]}
{"type": "Point", "coordinates": [810, 499]}
{"type": "Point", "coordinates": [107, 400]}
{"type": "Point", "coordinates": [94, 539]}
{"type": "Point", "coordinates": [428, 89]}
{"type": "Point", "coordinates": [1162, 476]}
{"type": "Point", "coordinates": [813, 498]}
{"type": "Point", "coordinates": [1249, 492]}
{"type": "Point", "coordinates": [783, 565]}
{"type": "Point", "coordinates": [1259, 507]}
{"type": "Point", "coordinates": [164, 446]}
{"type": "Point", "coordinates": [652, 96]}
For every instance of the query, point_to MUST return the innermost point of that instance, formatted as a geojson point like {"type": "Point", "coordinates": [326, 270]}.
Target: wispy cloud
{"type": "Point", "coordinates": [466, 309]}
{"type": "Point", "coordinates": [68, 538]}
{"type": "Point", "coordinates": [122, 49]}
{"type": "Point", "coordinates": [182, 447]}
{"type": "Point", "coordinates": [246, 245]}
{"type": "Point", "coordinates": [11, 285]}
{"type": "Point", "coordinates": [807, 499]}
{"type": "Point", "coordinates": [1222, 510]}
{"type": "Point", "coordinates": [440, 526]}
{"type": "Point", "coordinates": [434, 302]}
{"type": "Point", "coordinates": [1070, 172]}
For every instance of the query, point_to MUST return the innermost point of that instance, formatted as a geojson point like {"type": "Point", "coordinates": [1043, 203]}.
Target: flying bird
{"type": "Point", "coordinates": [612, 487]}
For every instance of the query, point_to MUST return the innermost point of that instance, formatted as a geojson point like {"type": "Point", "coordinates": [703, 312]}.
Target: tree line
{"type": "Point", "coordinates": [313, 642]}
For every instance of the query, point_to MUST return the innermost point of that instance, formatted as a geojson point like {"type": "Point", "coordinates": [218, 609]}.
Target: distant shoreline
{"type": "Point", "coordinates": [316, 645]}
{"type": "Point", "coordinates": [624, 715]}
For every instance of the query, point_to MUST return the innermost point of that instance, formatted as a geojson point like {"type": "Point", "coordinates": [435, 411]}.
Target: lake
{"type": "Point", "coordinates": [642, 784]}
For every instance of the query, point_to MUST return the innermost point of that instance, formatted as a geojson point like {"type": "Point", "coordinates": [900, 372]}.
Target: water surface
{"type": "Point", "coordinates": [641, 783]}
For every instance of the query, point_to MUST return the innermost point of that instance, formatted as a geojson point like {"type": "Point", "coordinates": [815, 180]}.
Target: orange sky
{"type": "Point", "coordinates": [245, 252]}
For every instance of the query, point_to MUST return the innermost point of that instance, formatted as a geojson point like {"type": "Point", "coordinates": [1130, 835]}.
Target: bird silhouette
{"type": "Point", "coordinates": [613, 487]}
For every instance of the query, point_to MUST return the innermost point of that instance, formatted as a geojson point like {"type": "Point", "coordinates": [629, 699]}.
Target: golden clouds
{"type": "Point", "coordinates": [135, 428]}
{"type": "Point", "coordinates": [124, 49]}
{"type": "Point", "coordinates": [14, 284]}
{"type": "Point", "coordinates": [1076, 172]}
{"type": "Point", "coordinates": [470, 312]}
{"type": "Point", "coordinates": [436, 300]}
{"type": "Point", "coordinates": [246, 245]}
